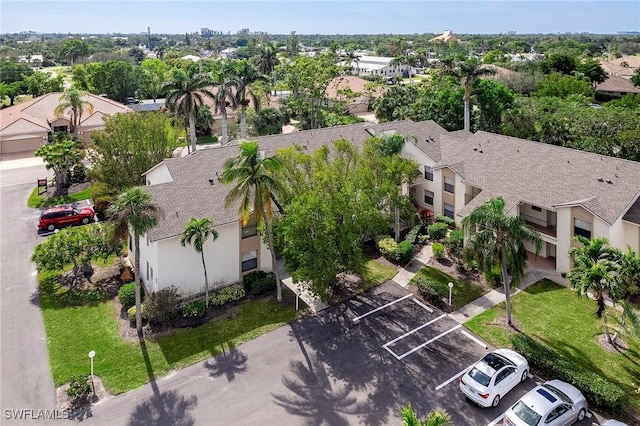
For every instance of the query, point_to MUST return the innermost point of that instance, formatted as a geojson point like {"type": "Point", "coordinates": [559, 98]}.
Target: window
{"type": "Point", "coordinates": [449, 184]}
{"type": "Point", "coordinates": [60, 129]}
{"type": "Point", "coordinates": [250, 229]}
{"type": "Point", "coordinates": [428, 173]}
{"type": "Point", "coordinates": [249, 261]}
{"type": "Point", "coordinates": [428, 197]}
{"type": "Point", "coordinates": [151, 274]}
{"type": "Point", "coordinates": [582, 228]}
{"type": "Point", "coordinates": [148, 274]}
{"type": "Point", "coordinates": [536, 208]}
{"type": "Point", "coordinates": [449, 210]}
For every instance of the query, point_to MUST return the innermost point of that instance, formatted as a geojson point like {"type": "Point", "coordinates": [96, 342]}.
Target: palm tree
{"type": "Point", "coordinates": [436, 417]}
{"type": "Point", "coordinates": [244, 75]}
{"type": "Point", "coordinates": [349, 58]}
{"type": "Point", "coordinates": [268, 61]}
{"type": "Point", "coordinates": [186, 92]}
{"type": "Point", "coordinates": [196, 232]}
{"type": "Point", "coordinates": [222, 79]}
{"type": "Point", "coordinates": [255, 185]}
{"type": "Point", "coordinates": [134, 209]}
{"type": "Point", "coordinates": [596, 269]}
{"type": "Point", "coordinates": [468, 70]}
{"type": "Point", "coordinates": [74, 100]}
{"type": "Point", "coordinates": [496, 237]}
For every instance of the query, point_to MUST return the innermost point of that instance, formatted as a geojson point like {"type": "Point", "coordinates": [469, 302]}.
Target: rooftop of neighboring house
{"type": "Point", "coordinates": [617, 85]}
{"type": "Point", "coordinates": [544, 175]}
{"type": "Point", "coordinates": [37, 113]}
{"type": "Point", "coordinates": [624, 66]}
{"type": "Point", "coordinates": [356, 84]}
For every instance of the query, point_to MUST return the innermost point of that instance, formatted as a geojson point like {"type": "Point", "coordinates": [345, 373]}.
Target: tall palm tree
{"type": "Point", "coordinates": [222, 80]}
{"type": "Point", "coordinates": [496, 237]}
{"type": "Point", "coordinates": [196, 232]}
{"type": "Point", "coordinates": [134, 209]}
{"type": "Point", "coordinates": [436, 417]}
{"type": "Point", "coordinates": [596, 270]}
{"type": "Point", "coordinates": [467, 70]}
{"type": "Point", "coordinates": [267, 62]}
{"type": "Point", "coordinates": [74, 100]}
{"type": "Point", "coordinates": [255, 185]}
{"type": "Point", "coordinates": [244, 75]}
{"type": "Point", "coordinates": [186, 92]}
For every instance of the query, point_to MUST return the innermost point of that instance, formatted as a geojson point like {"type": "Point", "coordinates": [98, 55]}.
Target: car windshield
{"type": "Point", "coordinates": [479, 376]}
{"type": "Point", "coordinates": [526, 414]}
{"type": "Point", "coordinates": [558, 393]}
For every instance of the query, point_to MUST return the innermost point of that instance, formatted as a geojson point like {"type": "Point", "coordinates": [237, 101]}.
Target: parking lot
{"type": "Point", "coordinates": [415, 350]}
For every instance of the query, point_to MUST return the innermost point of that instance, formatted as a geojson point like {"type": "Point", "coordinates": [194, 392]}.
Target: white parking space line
{"type": "Point", "coordinates": [441, 385]}
{"type": "Point", "coordinates": [395, 355]}
{"type": "Point", "coordinates": [423, 305]}
{"type": "Point", "coordinates": [475, 339]}
{"type": "Point", "coordinates": [381, 307]}
{"type": "Point", "coordinates": [497, 420]}
{"type": "Point", "coordinates": [408, 333]}
{"type": "Point", "coordinates": [417, 348]}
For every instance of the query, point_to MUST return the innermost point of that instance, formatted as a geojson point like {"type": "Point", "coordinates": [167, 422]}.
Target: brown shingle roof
{"type": "Point", "coordinates": [618, 85]}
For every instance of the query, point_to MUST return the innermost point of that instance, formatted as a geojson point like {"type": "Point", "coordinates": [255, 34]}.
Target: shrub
{"type": "Point", "coordinates": [412, 236]}
{"type": "Point", "coordinates": [438, 230]}
{"type": "Point", "coordinates": [49, 282]}
{"type": "Point", "coordinates": [404, 252]}
{"type": "Point", "coordinates": [432, 290]}
{"type": "Point", "coordinates": [426, 216]}
{"type": "Point", "coordinates": [599, 391]}
{"type": "Point", "coordinates": [387, 246]}
{"type": "Point", "coordinates": [454, 242]}
{"type": "Point", "coordinates": [438, 250]}
{"type": "Point", "coordinates": [194, 309]}
{"type": "Point", "coordinates": [79, 387]}
{"type": "Point", "coordinates": [258, 282]}
{"type": "Point", "coordinates": [227, 294]}
{"type": "Point", "coordinates": [131, 313]}
{"type": "Point", "coordinates": [78, 174]}
{"type": "Point", "coordinates": [102, 195]}
{"type": "Point", "coordinates": [162, 306]}
{"type": "Point", "coordinates": [493, 275]}
{"type": "Point", "coordinates": [451, 223]}
{"type": "Point", "coordinates": [127, 294]}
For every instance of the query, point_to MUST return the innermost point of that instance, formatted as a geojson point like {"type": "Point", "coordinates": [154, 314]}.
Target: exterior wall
{"type": "Point", "coordinates": [631, 232]}
{"type": "Point", "coordinates": [22, 143]}
{"type": "Point", "coordinates": [600, 228]}
{"type": "Point", "coordinates": [447, 197]}
{"type": "Point", "coordinates": [565, 232]}
{"type": "Point", "coordinates": [159, 175]}
{"type": "Point", "coordinates": [542, 216]}
{"type": "Point", "coordinates": [616, 234]}
{"type": "Point", "coordinates": [414, 153]}
{"type": "Point", "coordinates": [182, 266]}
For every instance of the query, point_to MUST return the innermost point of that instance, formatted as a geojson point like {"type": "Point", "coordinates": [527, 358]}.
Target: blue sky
{"type": "Point", "coordinates": [321, 17]}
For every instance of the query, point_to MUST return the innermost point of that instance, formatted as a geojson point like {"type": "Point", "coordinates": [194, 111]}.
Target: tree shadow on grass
{"type": "Point", "coordinates": [228, 363]}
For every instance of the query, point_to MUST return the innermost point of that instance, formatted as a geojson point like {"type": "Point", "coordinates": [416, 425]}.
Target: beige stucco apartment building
{"type": "Point", "coordinates": [561, 192]}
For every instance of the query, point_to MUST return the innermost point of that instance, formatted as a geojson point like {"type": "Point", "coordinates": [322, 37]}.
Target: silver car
{"type": "Point", "coordinates": [554, 403]}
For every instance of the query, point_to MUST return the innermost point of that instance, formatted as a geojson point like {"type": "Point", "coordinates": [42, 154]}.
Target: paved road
{"type": "Point", "coordinates": [25, 379]}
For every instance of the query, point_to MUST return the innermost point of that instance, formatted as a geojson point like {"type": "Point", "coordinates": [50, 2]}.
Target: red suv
{"type": "Point", "coordinates": [58, 217]}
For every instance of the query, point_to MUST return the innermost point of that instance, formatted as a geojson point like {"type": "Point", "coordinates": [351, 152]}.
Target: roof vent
{"type": "Point", "coordinates": [600, 180]}
{"type": "Point", "coordinates": [431, 139]}
{"type": "Point", "coordinates": [475, 148]}
{"type": "Point", "coordinates": [609, 181]}
{"type": "Point", "coordinates": [480, 151]}
{"type": "Point", "coordinates": [616, 175]}
{"type": "Point", "coordinates": [211, 181]}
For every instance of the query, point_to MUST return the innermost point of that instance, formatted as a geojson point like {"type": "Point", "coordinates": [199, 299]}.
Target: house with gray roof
{"type": "Point", "coordinates": [560, 192]}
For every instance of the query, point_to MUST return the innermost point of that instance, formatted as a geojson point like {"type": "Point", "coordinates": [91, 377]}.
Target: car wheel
{"type": "Point", "coordinates": [85, 220]}
{"type": "Point", "coordinates": [525, 376]}
{"type": "Point", "coordinates": [581, 415]}
{"type": "Point", "coordinates": [496, 401]}
{"type": "Point", "coordinates": [51, 227]}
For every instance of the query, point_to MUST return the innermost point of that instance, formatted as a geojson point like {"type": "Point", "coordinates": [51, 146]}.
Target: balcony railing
{"type": "Point", "coordinates": [539, 225]}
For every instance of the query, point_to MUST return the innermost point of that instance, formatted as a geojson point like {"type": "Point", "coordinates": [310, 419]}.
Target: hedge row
{"type": "Point", "coordinates": [599, 391]}
{"type": "Point", "coordinates": [227, 294]}
{"type": "Point", "coordinates": [396, 252]}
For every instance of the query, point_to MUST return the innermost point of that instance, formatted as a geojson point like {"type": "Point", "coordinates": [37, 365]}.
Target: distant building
{"type": "Point", "coordinates": [192, 58]}
{"type": "Point", "coordinates": [446, 37]}
{"type": "Point", "coordinates": [228, 53]}
{"type": "Point", "coordinates": [378, 66]}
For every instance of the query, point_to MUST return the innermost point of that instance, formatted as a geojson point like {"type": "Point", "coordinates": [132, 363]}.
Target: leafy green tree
{"type": "Point", "coordinates": [11, 91]}
{"type": "Point", "coordinates": [244, 76]}
{"type": "Point", "coordinates": [498, 238]}
{"type": "Point", "coordinates": [493, 100]}
{"type": "Point", "coordinates": [254, 186]}
{"type": "Point", "coordinates": [41, 83]}
{"type": "Point", "coordinates": [185, 93]}
{"type": "Point", "coordinates": [436, 417]}
{"type": "Point", "coordinates": [196, 232]}
{"type": "Point", "coordinates": [635, 78]}
{"type": "Point", "coordinates": [75, 101]}
{"type": "Point", "coordinates": [82, 77]}
{"type": "Point", "coordinates": [116, 79]}
{"type": "Point", "coordinates": [129, 145]}
{"type": "Point", "coordinates": [559, 62]}
{"type": "Point", "coordinates": [593, 71]}
{"type": "Point", "coordinates": [269, 121]}
{"type": "Point", "coordinates": [72, 49]}
{"type": "Point", "coordinates": [12, 72]}
{"type": "Point", "coordinates": [562, 86]}
{"type": "Point", "coordinates": [61, 157]}
{"type": "Point", "coordinates": [467, 70]}
{"type": "Point", "coordinates": [204, 120]}
{"type": "Point", "coordinates": [222, 79]}
{"type": "Point", "coordinates": [596, 270]}
{"type": "Point", "coordinates": [134, 210]}
{"type": "Point", "coordinates": [395, 103]}
{"type": "Point", "coordinates": [77, 246]}
{"type": "Point", "coordinates": [154, 75]}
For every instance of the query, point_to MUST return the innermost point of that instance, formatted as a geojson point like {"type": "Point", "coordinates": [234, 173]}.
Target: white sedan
{"type": "Point", "coordinates": [488, 380]}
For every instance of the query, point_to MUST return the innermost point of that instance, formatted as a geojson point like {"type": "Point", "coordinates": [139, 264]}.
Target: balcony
{"type": "Point", "coordinates": [539, 225]}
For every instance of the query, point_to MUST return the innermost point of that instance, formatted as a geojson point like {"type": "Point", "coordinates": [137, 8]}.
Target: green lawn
{"type": "Point", "coordinates": [463, 291]}
{"type": "Point", "coordinates": [36, 201]}
{"type": "Point", "coordinates": [74, 331]}
{"type": "Point", "coordinates": [207, 139]}
{"type": "Point", "coordinates": [375, 273]}
{"type": "Point", "coordinates": [556, 317]}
